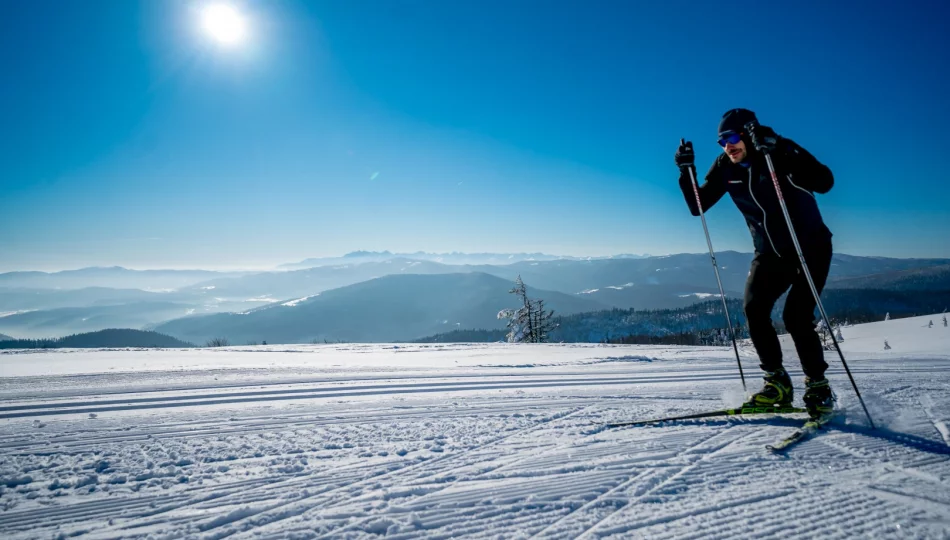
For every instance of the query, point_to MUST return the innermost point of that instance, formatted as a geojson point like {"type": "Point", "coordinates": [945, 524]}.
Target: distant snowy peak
{"type": "Point", "coordinates": [265, 299]}
{"type": "Point", "coordinates": [697, 295]}
{"type": "Point", "coordinates": [614, 287]}
{"type": "Point", "coordinates": [362, 254]}
{"type": "Point", "coordinates": [449, 258]}
{"type": "Point", "coordinates": [293, 303]}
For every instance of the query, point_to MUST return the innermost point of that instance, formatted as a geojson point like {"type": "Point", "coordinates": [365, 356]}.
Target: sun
{"type": "Point", "coordinates": [224, 24]}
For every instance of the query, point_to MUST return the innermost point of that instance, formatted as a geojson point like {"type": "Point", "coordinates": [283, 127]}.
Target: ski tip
{"type": "Point", "coordinates": [783, 446]}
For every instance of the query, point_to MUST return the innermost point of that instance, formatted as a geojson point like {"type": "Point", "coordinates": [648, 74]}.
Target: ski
{"type": "Point", "coordinates": [811, 427]}
{"type": "Point", "coordinates": [740, 411]}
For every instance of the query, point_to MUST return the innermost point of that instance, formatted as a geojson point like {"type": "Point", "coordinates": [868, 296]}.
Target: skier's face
{"type": "Point", "coordinates": [736, 152]}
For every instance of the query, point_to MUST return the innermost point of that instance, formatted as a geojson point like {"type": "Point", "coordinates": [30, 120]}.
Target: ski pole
{"type": "Point", "coordinates": [811, 283]}
{"type": "Point", "coordinates": [712, 256]}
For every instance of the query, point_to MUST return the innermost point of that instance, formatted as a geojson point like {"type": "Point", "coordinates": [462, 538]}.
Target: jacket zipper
{"type": "Point", "coordinates": [764, 225]}
{"type": "Point", "coordinates": [812, 195]}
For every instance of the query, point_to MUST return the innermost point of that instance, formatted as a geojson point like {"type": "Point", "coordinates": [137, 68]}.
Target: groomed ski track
{"type": "Point", "coordinates": [481, 448]}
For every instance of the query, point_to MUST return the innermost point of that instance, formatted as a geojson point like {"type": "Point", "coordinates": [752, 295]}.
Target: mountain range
{"type": "Point", "coordinates": [927, 278]}
{"type": "Point", "coordinates": [388, 308]}
{"type": "Point", "coordinates": [42, 324]}
{"type": "Point", "coordinates": [339, 298]}
{"type": "Point", "coordinates": [358, 257]}
{"type": "Point", "coordinates": [111, 277]}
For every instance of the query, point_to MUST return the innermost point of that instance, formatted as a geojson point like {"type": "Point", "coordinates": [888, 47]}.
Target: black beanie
{"type": "Point", "coordinates": [734, 120]}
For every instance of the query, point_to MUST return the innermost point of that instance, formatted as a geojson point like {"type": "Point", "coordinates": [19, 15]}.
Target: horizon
{"type": "Point", "coordinates": [146, 135]}
{"type": "Point", "coordinates": [276, 266]}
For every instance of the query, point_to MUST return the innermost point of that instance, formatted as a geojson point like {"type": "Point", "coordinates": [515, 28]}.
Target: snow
{"type": "Point", "coordinates": [9, 313]}
{"type": "Point", "coordinates": [615, 287]}
{"type": "Point", "coordinates": [619, 287]}
{"type": "Point", "coordinates": [910, 335]}
{"type": "Point", "coordinates": [293, 303]}
{"type": "Point", "coordinates": [264, 299]}
{"type": "Point", "coordinates": [697, 295]}
{"type": "Point", "coordinates": [467, 440]}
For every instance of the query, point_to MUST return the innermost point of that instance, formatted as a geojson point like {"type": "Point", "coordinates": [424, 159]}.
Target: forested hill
{"type": "Point", "coordinates": [114, 337]}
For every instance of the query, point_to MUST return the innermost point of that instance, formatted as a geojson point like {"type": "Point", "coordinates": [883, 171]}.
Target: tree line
{"type": "Point", "coordinates": [113, 337]}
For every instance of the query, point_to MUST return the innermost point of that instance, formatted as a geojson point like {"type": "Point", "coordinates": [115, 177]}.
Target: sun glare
{"type": "Point", "coordinates": [224, 24]}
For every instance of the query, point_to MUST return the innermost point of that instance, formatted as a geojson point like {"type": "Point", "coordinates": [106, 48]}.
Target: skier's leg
{"type": "Point", "coordinates": [768, 279]}
{"type": "Point", "coordinates": [799, 313]}
{"type": "Point", "coordinates": [800, 320]}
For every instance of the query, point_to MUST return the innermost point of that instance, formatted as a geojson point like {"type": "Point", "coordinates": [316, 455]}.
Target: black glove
{"type": "Point", "coordinates": [763, 138]}
{"type": "Point", "coordinates": [684, 155]}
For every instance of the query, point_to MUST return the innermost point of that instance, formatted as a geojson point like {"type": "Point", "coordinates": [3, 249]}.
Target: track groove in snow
{"type": "Point", "coordinates": [328, 505]}
{"type": "Point", "coordinates": [205, 399]}
{"type": "Point", "coordinates": [523, 454]}
{"type": "Point", "coordinates": [28, 411]}
{"type": "Point", "coordinates": [219, 428]}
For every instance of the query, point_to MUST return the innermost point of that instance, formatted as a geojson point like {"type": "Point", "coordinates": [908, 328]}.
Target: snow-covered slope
{"type": "Point", "coordinates": [911, 335]}
{"type": "Point", "coordinates": [486, 440]}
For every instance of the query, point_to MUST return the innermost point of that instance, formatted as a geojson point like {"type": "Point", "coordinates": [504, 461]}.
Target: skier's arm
{"type": "Point", "coordinates": [709, 192]}
{"type": "Point", "coordinates": [807, 171]}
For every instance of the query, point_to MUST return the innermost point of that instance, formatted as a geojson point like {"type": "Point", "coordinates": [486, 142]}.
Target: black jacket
{"type": "Point", "coordinates": [751, 188]}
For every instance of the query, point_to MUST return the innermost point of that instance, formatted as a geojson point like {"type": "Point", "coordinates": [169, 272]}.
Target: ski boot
{"type": "Point", "coordinates": [819, 399]}
{"type": "Point", "coordinates": [777, 392]}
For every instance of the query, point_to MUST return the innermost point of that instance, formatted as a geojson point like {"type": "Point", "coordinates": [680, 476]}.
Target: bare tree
{"type": "Point", "coordinates": [824, 334]}
{"type": "Point", "coordinates": [530, 323]}
{"type": "Point", "coordinates": [530, 329]}
{"type": "Point", "coordinates": [519, 320]}
{"type": "Point", "coordinates": [544, 322]}
{"type": "Point", "coordinates": [218, 342]}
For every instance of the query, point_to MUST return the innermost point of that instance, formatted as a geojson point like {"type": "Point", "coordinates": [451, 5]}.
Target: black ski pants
{"type": "Point", "coordinates": [770, 276]}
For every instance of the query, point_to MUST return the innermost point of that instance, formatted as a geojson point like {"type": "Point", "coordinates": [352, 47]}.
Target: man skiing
{"type": "Point", "coordinates": [741, 171]}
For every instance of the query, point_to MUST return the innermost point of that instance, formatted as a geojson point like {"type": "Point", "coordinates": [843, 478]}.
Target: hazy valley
{"type": "Point", "coordinates": [383, 297]}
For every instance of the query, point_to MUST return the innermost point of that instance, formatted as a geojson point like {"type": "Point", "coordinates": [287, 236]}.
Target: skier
{"type": "Point", "coordinates": [742, 172]}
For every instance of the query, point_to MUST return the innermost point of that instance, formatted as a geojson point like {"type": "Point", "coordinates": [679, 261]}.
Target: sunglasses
{"type": "Point", "coordinates": [731, 138]}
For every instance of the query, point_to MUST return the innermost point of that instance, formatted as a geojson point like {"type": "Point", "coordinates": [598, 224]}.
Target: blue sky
{"type": "Point", "coordinates": [132, 138]}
